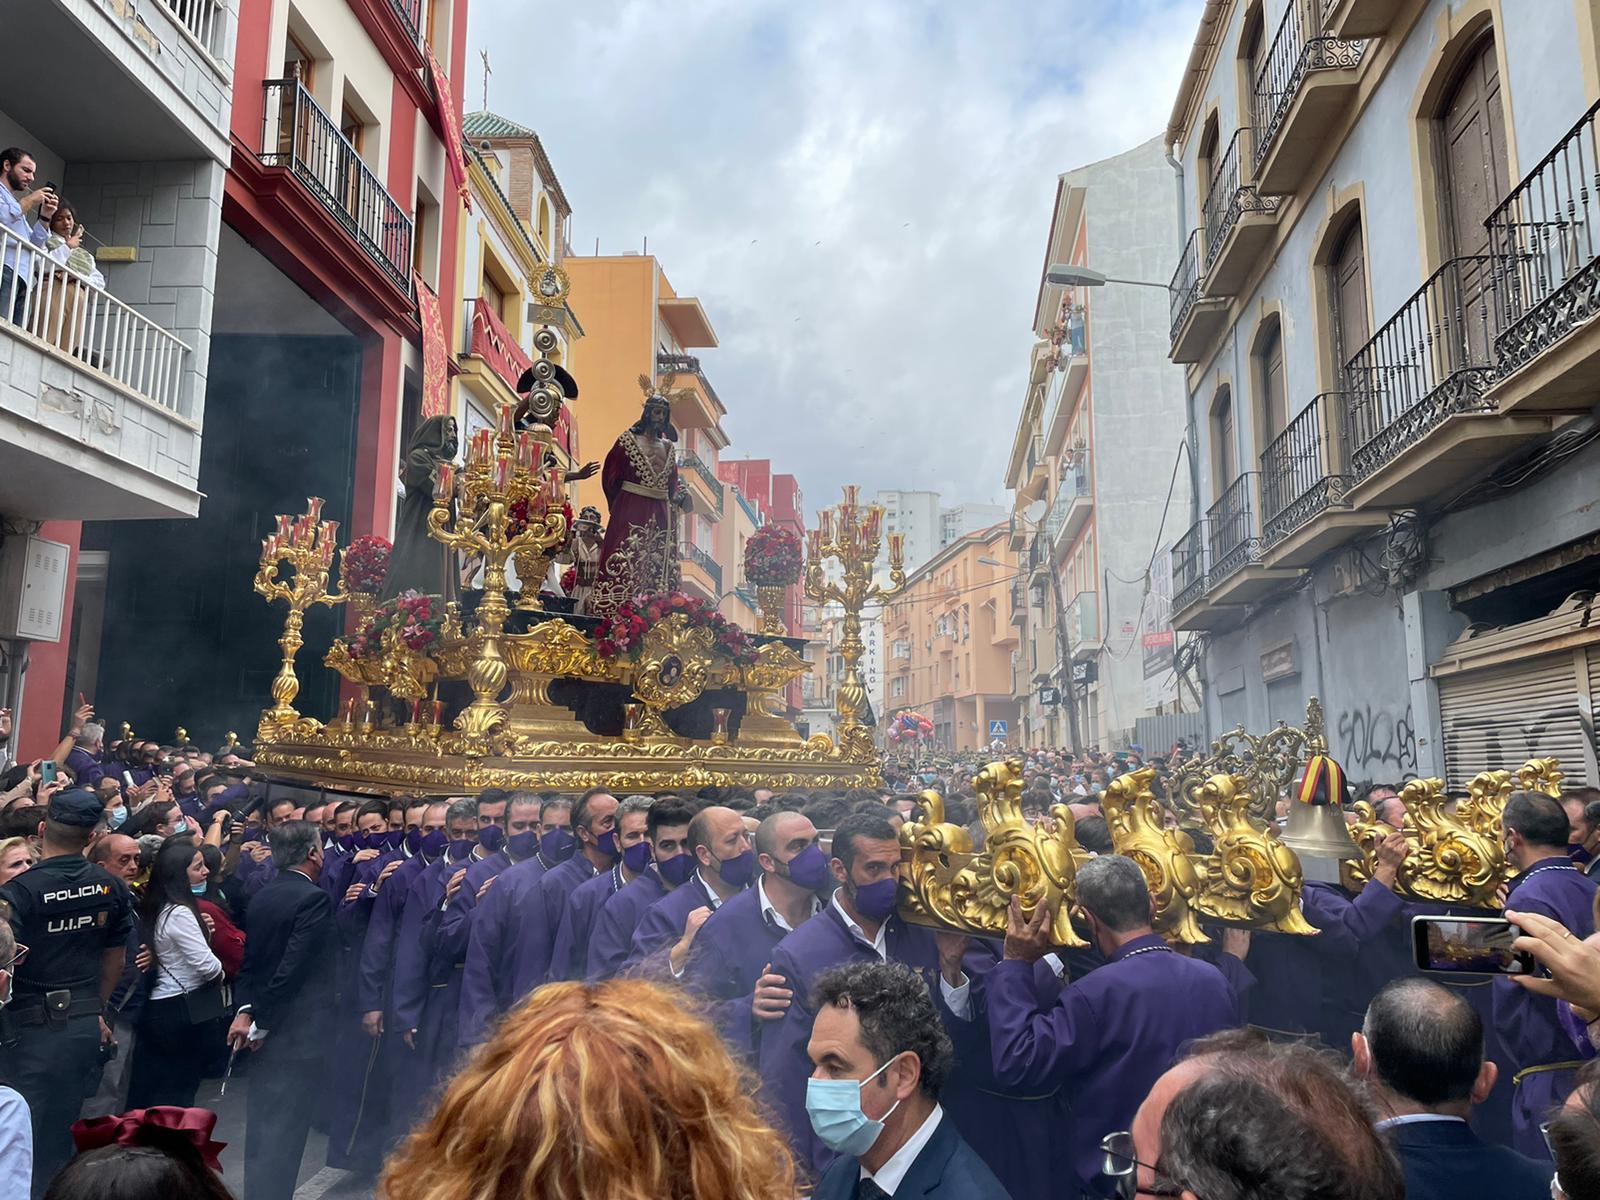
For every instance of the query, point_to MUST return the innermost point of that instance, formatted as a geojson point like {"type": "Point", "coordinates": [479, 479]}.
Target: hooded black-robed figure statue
{"type": "Point", "coordinates": [418, 561]}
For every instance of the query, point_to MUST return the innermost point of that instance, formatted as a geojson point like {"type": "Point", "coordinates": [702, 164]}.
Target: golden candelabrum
{"type": "Point", "coordinates": [295, 561]}
{"type": "Point", "coordinates": [769, 598]}
{"type": "Point", "coordinates": [502, 468]}
{"type": "Point", "coordinates": [852, 533]}
{"type": "Point", "coordinates": [1268, 763]}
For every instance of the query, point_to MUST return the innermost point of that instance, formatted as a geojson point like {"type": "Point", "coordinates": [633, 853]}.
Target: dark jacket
{"type": "Point", "coordinates": [288, 973]}
{"type": "Point", "coordinates": [947, 1168]}
{"type": "Point", "coordinates": [1445, 1160]}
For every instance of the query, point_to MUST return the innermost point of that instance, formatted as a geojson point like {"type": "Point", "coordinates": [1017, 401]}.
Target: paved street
{"type": "Point", "coordinates": [316, 1180]}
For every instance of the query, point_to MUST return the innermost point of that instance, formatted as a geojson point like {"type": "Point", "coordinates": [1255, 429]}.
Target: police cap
{"type": "Point", "coordinates": [76, 806]}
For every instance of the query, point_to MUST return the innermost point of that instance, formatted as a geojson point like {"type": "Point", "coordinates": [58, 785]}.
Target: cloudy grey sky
{"type": "Point", "coordinates": [858, 191]}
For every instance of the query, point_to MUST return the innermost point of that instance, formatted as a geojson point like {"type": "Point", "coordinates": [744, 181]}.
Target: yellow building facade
{"type": "Point", "coordinates": [949, 643]}
{"type": "Point", "coordinates": [636, 326]}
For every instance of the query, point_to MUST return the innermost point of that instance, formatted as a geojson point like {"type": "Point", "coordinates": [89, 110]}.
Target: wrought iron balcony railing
{"type": "Point", "coordinates": [1184, 289]}
{"type": "Point", "coordinates": [1230, 196]}
{"type": "Point", "coordinates": [1300, 47]}
{"type": "Point", "coordinates": [1303, 470]}
{"type": "Point", "coordinates": [688, 460]}
{"type": "Point", "coordinates": [1233, 539]}
{"type": "Point", "coordinates": [686, 364]}
{"type": "Point", "coordinates": [410, 14]}
{"type": "Point", "coordinates": [1189, 567]}
{"type": "Point", "coordinates": [298, 135]}
{"type": "Point", "coordinates": [1432, 360]}
{"type": "Point", "coordinates": [1546, 249]}
{"type": "Point", "coordinates": [689, 552]}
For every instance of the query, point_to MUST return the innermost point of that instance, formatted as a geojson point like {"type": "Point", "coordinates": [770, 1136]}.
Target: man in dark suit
{"type": "Point", "coordinates": [284, 990]}
{"type": "Point", "coordinates": [1421, 1052]}
{"type": "Point", "coordinates": [880, 1055]}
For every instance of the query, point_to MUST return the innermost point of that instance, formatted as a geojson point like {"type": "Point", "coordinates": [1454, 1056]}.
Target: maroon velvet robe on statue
{"type": "Point", "coordinates": [640, 552]}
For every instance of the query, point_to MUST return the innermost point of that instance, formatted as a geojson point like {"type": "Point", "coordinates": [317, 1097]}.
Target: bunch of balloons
{"type": "Point", "coordinates": [910, 727]}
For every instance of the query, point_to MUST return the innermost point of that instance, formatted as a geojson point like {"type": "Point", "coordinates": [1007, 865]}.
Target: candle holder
{"type": "Point", "coordinates": [719, 726]}
{"type": "Point", "coordinates": [496, 478]}
{"type": "Point", "coordinates": [851, 533]}
{"type": "Point", "coordinates": [302, 549]}
{"type": "Point", "coordinates": [632, 719]}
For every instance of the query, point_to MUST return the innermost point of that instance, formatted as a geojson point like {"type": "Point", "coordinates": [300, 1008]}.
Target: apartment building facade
{"type": "Point", "coordinates": [1383, 311]}
{"type": "Point", "coordinates": [1101, 430]}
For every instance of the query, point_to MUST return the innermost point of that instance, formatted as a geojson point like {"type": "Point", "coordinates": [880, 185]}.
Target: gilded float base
{"type": "Point", "coordinates": [420, 761]}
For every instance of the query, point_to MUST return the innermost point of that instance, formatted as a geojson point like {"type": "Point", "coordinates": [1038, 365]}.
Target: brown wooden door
{"type": "Point", "coordinates": [1348, 276]}
{"type": "Point", "coordinates": [1224, 454]}
{"type": "Point", "coordinates": [1473, 180]}
{"type": "Point", "coordinates": [1274, 395]}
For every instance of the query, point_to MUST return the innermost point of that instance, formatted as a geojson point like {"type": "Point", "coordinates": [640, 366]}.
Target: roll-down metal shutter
{"type": "Point", "coordinates": [1498, 717]}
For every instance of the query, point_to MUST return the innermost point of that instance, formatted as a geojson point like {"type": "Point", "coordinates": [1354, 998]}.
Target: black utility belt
{"type": "Point", "coordinates": [54, 1007]}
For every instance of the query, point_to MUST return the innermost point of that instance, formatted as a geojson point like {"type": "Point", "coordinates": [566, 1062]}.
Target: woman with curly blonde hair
{"type": "Point", "coordinates": [613, 1091]}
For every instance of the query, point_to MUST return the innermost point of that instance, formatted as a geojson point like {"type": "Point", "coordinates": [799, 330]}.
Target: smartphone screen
{"type": "Point", "coordinates": [1470, 945]}
{"type": "Point", "coordinates": [47, 771]}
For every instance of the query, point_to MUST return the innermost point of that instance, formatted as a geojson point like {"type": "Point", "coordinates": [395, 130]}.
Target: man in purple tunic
{"type": "Point", "coordinates": [488, 860]}
{"type": "Point", "coordinates": [508, 953]}
{"type": "Point", "coordinates": [1110, 1035]}
{"type": "Point", "coordinates": [724, 866]}
{"type": "Point", "coordinates": [570, 952]}
{"type": "Point", "coordinates": [858, 925]}
{"type": "Point", "coordinates": [1304, 984]}
{"type": "Point", "coordinates": [667, 830]}
{"type": "Point", "coordinates": [427, 988]}
{"type": "Point", "coordinates": [730, 961]}
{"type": "Point", "coordinates": [1542, 1056]}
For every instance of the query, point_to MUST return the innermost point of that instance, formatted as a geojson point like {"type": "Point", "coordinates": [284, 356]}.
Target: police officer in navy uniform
{"type": "Point", "coordinates": [74, 917]}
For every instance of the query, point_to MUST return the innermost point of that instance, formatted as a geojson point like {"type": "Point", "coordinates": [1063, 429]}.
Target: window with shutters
{"type": "Point", "coordinates": [1347, 289]}
{"type": "Point", "coordinates": [1224, 449]}
{"type": "Point", "coordinates": [1473, 176]}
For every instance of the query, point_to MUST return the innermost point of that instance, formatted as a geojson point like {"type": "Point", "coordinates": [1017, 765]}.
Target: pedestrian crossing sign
{"type": "Point", "coordinates": [997, 729]}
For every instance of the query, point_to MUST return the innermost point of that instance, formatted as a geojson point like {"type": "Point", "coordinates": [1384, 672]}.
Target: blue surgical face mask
{"type": "Point", "coordinates": [834, 1106]}
{"type": "Point", "coordinates": [181, 827]}
{"type": "Point", "coordinates": [119, 814]}
{"type": "Point", "coordinates": [199, 889]}
{"type": "Point", "coordinates": [677, 869]}
{"type": "Point", "coordinates": [636, 857]}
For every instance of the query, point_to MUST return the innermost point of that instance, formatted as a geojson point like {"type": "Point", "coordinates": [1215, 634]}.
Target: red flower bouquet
{"type": "Point", "coordinates": [366, 563]}
{"type": "Point", "coordinates": [772, 557]}
{"type": "Point", "coordinates": [622, 635]}
{"type": "Point", "coordinates": [519, 514]}
{"type": "Point", "coordinates": [569, 580]}
{"type": "Point", "coordinates": [419, 619]}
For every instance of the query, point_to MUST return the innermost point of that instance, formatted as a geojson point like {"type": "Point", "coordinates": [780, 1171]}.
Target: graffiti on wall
{"type": "Point", "coordinates": [1377, 742]}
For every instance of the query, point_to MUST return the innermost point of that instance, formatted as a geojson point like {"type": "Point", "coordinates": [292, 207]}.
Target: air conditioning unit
{"type": "Point", "coordinates": [33, 588]}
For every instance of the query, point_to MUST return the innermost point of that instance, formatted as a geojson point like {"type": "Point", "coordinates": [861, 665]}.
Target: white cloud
{"type": "Point", "coordinates": [859, 192]}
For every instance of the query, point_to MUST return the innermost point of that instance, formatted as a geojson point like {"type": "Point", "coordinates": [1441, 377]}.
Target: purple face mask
{"type": "Point", "coordinates": [607, 845]}
{"type": "Point", "coordinates": [558, 845]}
{"type": "Point", "coordinates": [460, 849]}
{"type": "Point", "coordinates": [413, 841]}
{"type": "Point", "coordinates": [738, 870]}
{"type": "Point", "coordinates": [347, 843]}
{"type": "Point", "coordinates": [636, 857]}
{"type": "Point", "coordinates": [809, 869]}
{"type": "Point", "coordinates": [521, 845]}
{"type": "Point", "coordinates": [677, 869]}
{"type": "Point", "coordinates": [875, 901]}
{"type": "Point", "coordinates": [432, 843]}
{"type": "Point", "coordinates": [395, 838]}
{"type": "Point", "coordinates": [491, 838]}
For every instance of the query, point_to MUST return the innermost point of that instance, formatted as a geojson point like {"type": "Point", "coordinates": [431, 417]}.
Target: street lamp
{"type": "Point", "coordinates": [1063, 652]}
{"type": "Point", "coordinates": [1072, 275]}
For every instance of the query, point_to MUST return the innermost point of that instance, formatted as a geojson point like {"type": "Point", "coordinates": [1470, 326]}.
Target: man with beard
{"type": "Point", "coordinates": [25, 212]}
{"type": "Point", "coordinates": [640, 479]}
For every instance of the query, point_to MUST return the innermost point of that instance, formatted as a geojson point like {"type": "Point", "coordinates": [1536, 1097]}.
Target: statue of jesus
{"type": "Point", "coordinates": [640, 479]}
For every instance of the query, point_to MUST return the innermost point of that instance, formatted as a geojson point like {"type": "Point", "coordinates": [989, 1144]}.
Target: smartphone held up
{"type": "Point", "coordinates": [1468, 945]}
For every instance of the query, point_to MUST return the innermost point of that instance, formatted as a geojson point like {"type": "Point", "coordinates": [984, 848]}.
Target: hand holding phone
{"type": "Point", "coordinates": [1468, 945]}
{"type": "Point", "coordinates": [47, 771]}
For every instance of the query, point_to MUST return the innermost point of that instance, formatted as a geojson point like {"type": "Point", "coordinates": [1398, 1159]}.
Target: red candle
{"type": "Point", "coordinates": [438, 712]}
{"type": "Point", "coordinates": [524, 450]}
{"type": "Point", "coordinates": [283, 525]}
{"type": "Point", "coordinates": [316, 508]}
{"type": "Point", "coordinates": [826, 520]}
{"type": "Point", "coordinates": [445, 482]}
{"type": "Point", "coordinates": [416, 712]}
{"type": "Point", "coordinates": [330, 530]}
{"type": "Point", "coordinates": [502, 473]}
{"type": "Point", "coordinates": [507, 415]}
{"type": "Point", "coordinates": [814, 542]}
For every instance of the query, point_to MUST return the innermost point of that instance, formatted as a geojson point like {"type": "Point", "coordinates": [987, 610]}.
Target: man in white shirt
{"type": "Point", "coordinates": [24, 213]}
{"type": "Point", "coordinates": [880, 1056]}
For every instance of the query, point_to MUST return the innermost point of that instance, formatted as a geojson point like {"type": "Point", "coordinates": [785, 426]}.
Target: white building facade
{"type": "Point", "coordinates": [1383, 310]}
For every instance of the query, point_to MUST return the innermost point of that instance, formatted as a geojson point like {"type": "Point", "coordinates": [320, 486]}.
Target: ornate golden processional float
{"type": "Point", "coordinates": [512, 696]}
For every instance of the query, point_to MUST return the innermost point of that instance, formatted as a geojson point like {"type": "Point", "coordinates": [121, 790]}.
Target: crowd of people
{"type": "Point", "coordinates": [714, 995]}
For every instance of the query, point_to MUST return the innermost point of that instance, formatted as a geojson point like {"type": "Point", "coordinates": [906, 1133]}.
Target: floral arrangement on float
{"type": "Point", "coordinates": [569, 580]}
{"type": "Point", "coordinates": [622, 634]}
{"type": "Point", "coordinates": [365, 564]}
{"type": "Point", "coordinates": [418, 621]}
{"type": "Point", "coordinates": [772, 557]}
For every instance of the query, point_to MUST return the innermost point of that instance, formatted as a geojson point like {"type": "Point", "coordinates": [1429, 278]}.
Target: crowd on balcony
{"type": "Point", "coordinates": [422, 978]}
{"type": "Point", "coordinates": [37, 217]}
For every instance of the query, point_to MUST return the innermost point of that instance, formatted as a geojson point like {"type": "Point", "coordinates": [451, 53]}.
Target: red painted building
{"type": "Point", "coordinates": [338, 198]}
